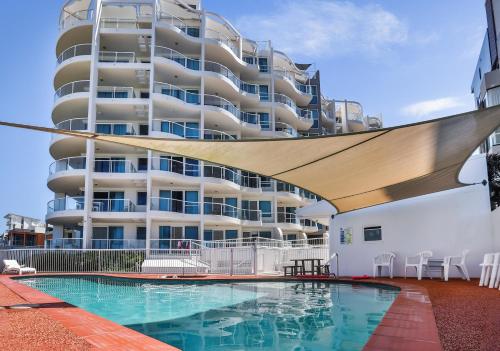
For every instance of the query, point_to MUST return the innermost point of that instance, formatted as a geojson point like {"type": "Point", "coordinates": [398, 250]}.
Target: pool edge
{"type": "Point", "coordinates": [408, 324]}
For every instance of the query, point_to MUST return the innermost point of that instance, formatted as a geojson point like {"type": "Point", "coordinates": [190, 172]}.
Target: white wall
{"type": "Point", "coordinates": [445, 223]}
{"type": "Point", "coordinates": [495, 221]}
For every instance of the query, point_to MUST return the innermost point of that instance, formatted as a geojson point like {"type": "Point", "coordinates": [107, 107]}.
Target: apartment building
{"type": "Point", "coordinates": [169, 69]}
{"type": "Point", "coordinates": [24, 231]}
{"type": "Point", "coordinates": [486, 81]}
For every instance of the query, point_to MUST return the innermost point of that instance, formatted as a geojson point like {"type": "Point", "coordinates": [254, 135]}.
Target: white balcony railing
{"type": "Point", "coordinates": [167, 204]}
{"type": "Point", "coordinates": [182, 130]}
{"type": "Point", "coordinates": [226, 72]}
{"type": "Point", "coordinates": [108, 244]}
{"type": "Point", "coordinates": [290, 76]}
{"type": "Point", "coordinates": [114, 166]}
{"type": "Point", "coordinates": [67, 164]}
{"type": "Point", "coordinates": [192, 63]}
{"type": "Point", "coordinates": [286, 128]}
{"type": "Point", "coordinates": [75, 50]}
{"type": "Point", "coordinates": [64, 243]}
{"type": "Point", "coordinates": [66, 204]}
{"type": "Point", "coordinates": [114, 205]}
{"type": "Point", "coordinates": [81, 86]}
{"type": "Point", "coordinates": [124, 23]}
{"type": "Point", "coordinates": [117, 128]}
{"type": "Point", "coordinates": [166, 164]}
{"type": "Point", "coordinates": [221, 38]}
{"type": "Point", "coordinates": [191, 30]}
{"type": "Point", "coordinates": [76, 18]}
{"type": "Point", "coordinates": [117, 57]}
{"type": "Point", "coordinates": [79, 124]}
{"type": "Point", "coordinates": [104, 92]}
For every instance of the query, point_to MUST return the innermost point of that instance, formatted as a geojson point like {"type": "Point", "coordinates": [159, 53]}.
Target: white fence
{"type": "Point", "coordinates": [231, 259]}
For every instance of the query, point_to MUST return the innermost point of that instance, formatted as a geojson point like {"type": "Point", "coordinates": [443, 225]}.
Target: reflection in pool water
{"type": "Point", "coordinates": [232, 316]}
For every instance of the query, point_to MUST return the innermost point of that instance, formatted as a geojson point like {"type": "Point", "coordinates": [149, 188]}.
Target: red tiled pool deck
{"type": "Point", "coordinates": [426, 315]}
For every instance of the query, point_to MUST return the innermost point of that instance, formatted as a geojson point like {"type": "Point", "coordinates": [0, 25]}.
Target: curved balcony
{"type": "Point", "coordinates": [236, 118]}
{"type": "Point", "coordinates": [116, 128]}
{"type": "Point", "coordinates": [64, 145]}
{"type": "Point", "coordinates": [285, 130]}
{"type": "Point", "coordinates": [74, 19]}
{"type": "Point", "coordinates": [288, 220]}
{"type": "Point", "coordinates": [75, 51]}
{"type": "Point", "coordinates": [169, 170]}
{"type": "Point", "coordinates": [188, 30]}
{"type": "Point", "coordinates": [67, 174]}
{"type": "Point", "coordinates": [115, 205]}
{"type": "Point", "coordinates": [244, 89]}
{"type": "Point", "coordinates": [105, 92]}
{"type": "Point", "coordinates": [117, 57]}
{"type": "Point", "coordinates": [78, 88]}
{"type": "Point", "coordinates": [65, 209]}
{"type": "Point", "coordinates": [290, 113]}
{"type": "Point", "coordinates": [112, 172]}
{"type": "Point", "coordinates": [287, 83]}
{"type": "Point", "coordinates": [124, 24]}
{"type": "Point", "coordinates": [174, 209]}
{"type": "Point", "coordinates": [181, 130]}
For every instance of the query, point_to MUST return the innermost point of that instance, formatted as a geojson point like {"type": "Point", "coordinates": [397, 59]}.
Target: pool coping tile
{"type": "Point", "coordinates": [408, 324]}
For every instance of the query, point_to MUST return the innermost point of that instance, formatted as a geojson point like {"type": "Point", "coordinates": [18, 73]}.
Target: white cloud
{"type": "Point", "coordinates": [312, 28]}
{"type": "Point", "coordinates": [426, 108]}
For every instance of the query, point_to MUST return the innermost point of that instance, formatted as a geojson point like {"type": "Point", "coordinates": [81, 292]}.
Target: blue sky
{"type": "Point", "coordinates": [409, 60]}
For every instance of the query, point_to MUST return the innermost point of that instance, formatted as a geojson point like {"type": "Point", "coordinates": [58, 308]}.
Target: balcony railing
{"type": "Point", "coordinates": [226, 210]}
{"type": "Point", "coordinates": [117, 128]}
{"type": "Point", "coordinates": [287, 217]}
{"type": "Point", "coordinates": [66, 204]}
{"type": "Point", "coordinates": [176, 92]}
{"type": "Point", "coordinates": [217, 101]}
{"type": "Point", "coordinates": [81, 86]}
{"type": "Point", "coordinates": [290, 76]}
{"type": "Point", "coordinates": [220, 172]}
{"type": "Point", "coordinates": [73, 124]}
{"type": "Point", "coordinates": [226, 72]}
{"type": "Point", "coordinates": [75, 18]}
{"type": "Point", "coordinates": [67, 164]}
{"type": "Point", "coordinates": [104, 92]}
{"type": "Point", "coordinates": [182, 130]}
{"type": "Point", "coordinates": [174, 166]}
{"type": "Point", "coordinates": [286, 128]}
{"type": "Point", "coordinates": [124, 23]}
{"type": "Point", "coordinates": [221, 38]}
{"type": "Point", "coordinates": [114, 166]}
{"type": "Point", "coordinates": [117, 57]}
{"type": "Point", "coordinates": [170, 54]}
{"type": "Point", "coordinates": [118, 244]}
{"type": "Point", "coordinates": [64, 243]}
{"type": "Point", "coordinates": [285, 187]}
{"type": "Point", "coordinates": [173, 205]}
{"type": "Point", "coordinates": [193, 31]}
{"type": "Point", "coordinates": [75, 50]}
{"type": "Point", "coordinates": [113, 205]}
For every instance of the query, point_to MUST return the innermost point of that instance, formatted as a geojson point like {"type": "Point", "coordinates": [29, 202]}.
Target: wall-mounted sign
{"type": "Point", "coordinates": [346, 236]}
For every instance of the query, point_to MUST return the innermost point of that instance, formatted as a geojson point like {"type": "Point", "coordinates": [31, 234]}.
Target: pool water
{"type": "Point", "coordinates": [250, 316]}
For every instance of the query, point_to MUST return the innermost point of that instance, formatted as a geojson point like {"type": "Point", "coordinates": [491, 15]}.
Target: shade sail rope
{"type": "Point", "coordinates": [351, 171]}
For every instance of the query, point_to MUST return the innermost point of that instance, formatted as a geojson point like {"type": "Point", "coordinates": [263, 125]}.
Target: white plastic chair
{"type": "Point", "coordinates": [458, 262]}
{"type": "Point", "coordinates": [12, 267]}
{"type": "Point", "coordinates": [419, 262]}
{"type": "Point", "coordinates": [486, 268]}
{"type": "Point", "coordinates": [385, 259]}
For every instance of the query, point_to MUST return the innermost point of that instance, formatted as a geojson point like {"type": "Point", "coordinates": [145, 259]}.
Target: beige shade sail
{"type": "Point", "coordinates": [351, 171]}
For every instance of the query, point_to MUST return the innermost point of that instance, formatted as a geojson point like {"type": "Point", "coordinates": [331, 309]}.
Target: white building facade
{"type": "Point", "coordinates": [169, 69]}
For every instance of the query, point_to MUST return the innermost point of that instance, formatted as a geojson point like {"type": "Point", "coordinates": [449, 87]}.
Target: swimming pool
{"type": "Point", "coordinates": [273, 315]}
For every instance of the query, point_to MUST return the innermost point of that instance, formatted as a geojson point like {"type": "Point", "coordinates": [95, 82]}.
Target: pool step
{"type": "Point", "coordinates": [174, 266]}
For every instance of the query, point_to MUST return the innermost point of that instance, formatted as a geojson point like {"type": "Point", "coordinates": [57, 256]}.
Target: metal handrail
{"type": "Point", "coordinates": [166, 164]}
{"type": "Point", "coordinates": [72, 19]}
{"type": "Point", "coordinates": [118, 244]}
{"type": "Point", "coordinates": [67, 164]}
{"type": "Point", "coordinates": [286, 217]}
{"type": "Point", "coordinates": [114, 166]}
{"type": "Point", "coordinates": [173, 55]}
{"type": "Point", "coordinates": [176, 22]}
{"type": "Point", "coordinates": [66, 203]}
{"type": "Point", "coordinates": [73, 124]}
{"type": "Point", "coordinates": [130, 128]}
{"type": "Point", "coordinates": [117, 56]}
{"type": "Point", "coordinates": [168, 204]}
{"type": "Point", "coordinates": [176, 92]}
{"type": "Point", "coordinates": [222, 39]}
{"type": "Point", "coordinates": [79, 86]}
{"type": "Point", "coordinates": [188, 132]}
{"type": "Point", "coordinates": [73, 51]}
{"type": "Point", "coordinates": [115, 92]}
{"type": "Point", "coordinates": [216, 67]}
{"type": "Point", "coordinates": [285, 128]}
{"type": "Point", "coordinates": [113, 205]}
{"type": "Point", "coordinates": [222, 209]}
{"type": "Point", "coordinates": [303, 88]}
{"type": "Point", "coordinates": [119, 23]}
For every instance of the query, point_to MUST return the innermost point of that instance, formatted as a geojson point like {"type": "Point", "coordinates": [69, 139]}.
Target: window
{"type": "Point", "coordinates": [192, 130]}
{"type": "Point", "coordinates": [142, 164]}
{"type": "Point", "coordinates": [264, 121]}
{"type": "Point", "coordinates": [142, 198]}
{"type": "Point", "coordinates": [143, 129]}
{"type": "Point", "coordinates": [315, 117]}
{"type": "Point", "coordinates": [264, 92]}
{"type": "Point", "coordinates": [373, 233]}
{"type": "Point", "coordinates": [141, 233]}
{"type": "Point", "coordinates": [265, 208]}
{"type": "Point", "coordinates": [208, 235]}
{"type": "Point", "coordinates": [231, 234]}
{"type": "Point", "coordinates": [191, 233]}
{"type": "Point", "coordinates": [263, 64]}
